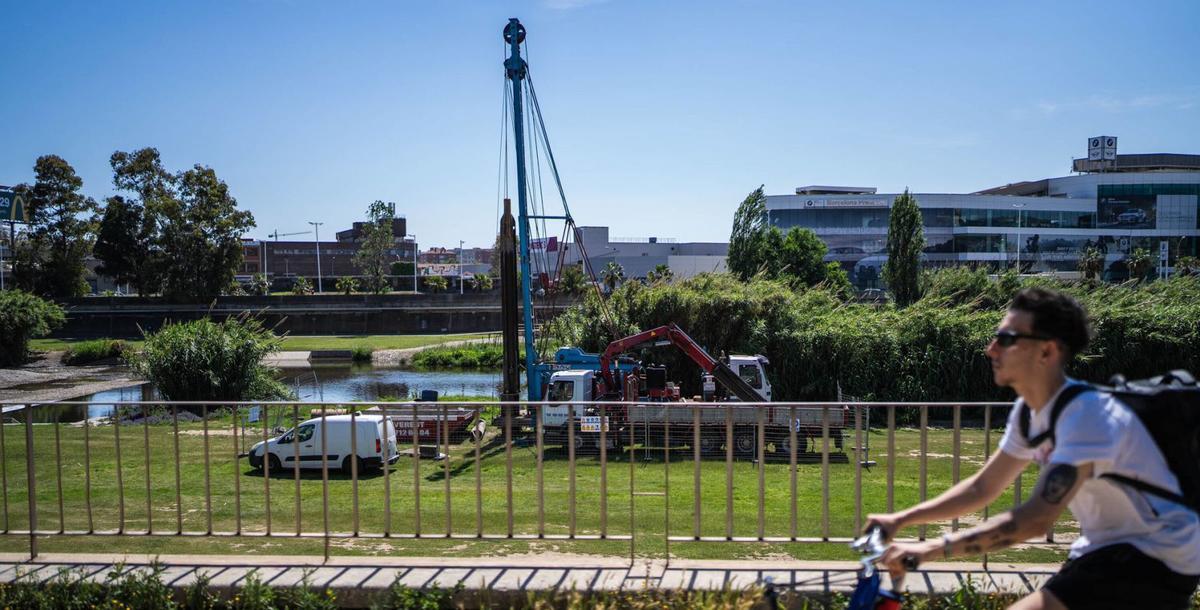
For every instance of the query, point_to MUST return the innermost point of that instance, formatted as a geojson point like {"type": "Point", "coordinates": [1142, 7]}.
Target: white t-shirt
{"type": "Point", "coordinates": [1097, 428]}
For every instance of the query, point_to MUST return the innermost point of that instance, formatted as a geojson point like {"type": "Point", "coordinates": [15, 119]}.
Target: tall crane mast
{"type": "Point", "coordinates": [514, 70]}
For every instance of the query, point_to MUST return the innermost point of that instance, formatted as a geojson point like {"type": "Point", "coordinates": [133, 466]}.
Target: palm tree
{"type": "Point", "coordinates": [1091, 263]}
{"type": "Point", "coordinates": [481, 282]}
{"type": "Point", "coordinates": [612, 275]}
{"type": "Point", "coordinates": [571, 281]}
{"type": "Point", "coordinates": [660, 273]}
{"type": "Point", "coordinates": [1140, 264]}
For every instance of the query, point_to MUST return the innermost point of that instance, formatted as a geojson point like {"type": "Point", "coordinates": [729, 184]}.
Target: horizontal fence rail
{"type": "Point", "coordinates": [675, 472]}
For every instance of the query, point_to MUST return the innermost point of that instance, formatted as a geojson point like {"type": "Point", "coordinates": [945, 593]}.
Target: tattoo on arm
{"type": "Point", "coordinates": [1058, 482]}
{"type": "Point", "coordinates": [1000, 538]}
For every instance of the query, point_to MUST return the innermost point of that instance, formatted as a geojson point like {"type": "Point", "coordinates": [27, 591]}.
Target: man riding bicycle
{"type": "Point", "coordinates": [1135, 550]}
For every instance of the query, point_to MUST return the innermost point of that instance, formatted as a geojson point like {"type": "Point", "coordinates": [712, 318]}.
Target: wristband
{"type": "Point", "coordinates": [946, 546]}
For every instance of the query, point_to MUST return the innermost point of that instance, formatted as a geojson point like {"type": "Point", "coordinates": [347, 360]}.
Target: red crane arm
{"type": "Point", "coordinates": [669, 332]}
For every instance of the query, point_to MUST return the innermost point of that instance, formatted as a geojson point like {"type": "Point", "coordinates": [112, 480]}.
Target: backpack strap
{"type": "Point", "coordinates": [1145, 487]}
{"type": "Point", "coordinates": [1064, 398]}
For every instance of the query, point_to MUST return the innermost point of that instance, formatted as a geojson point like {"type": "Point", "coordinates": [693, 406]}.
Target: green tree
{"type": "Point", "coordinates": [302, 286]}
{"type": "Point", "coordinates": [571, 280]}
{"type": "Point", "coordinates": [436, 283]}
{"type": "Point", "coordinates": [1187, 265]}
{"type": "Point", "coordinates": [24, 316]}
{"type": "Point", "coordinates": [260, 285]}
{"type": "Point", "coordinates": [660, 274]}
{"type": "Point", "coordinates": [612, 275]}
{"type": "Point", "coordinates": [346, 285]}
{"type": "Point", "coordinates": [372, 257]}
{"type": "Point", "coordinates": [749, 226]}
{"type": "Point", "coordinates": [190, 222]}
{"type": "Point", "coordinates": [1091, 263]}
{"type": "Point", "coordinates": [802, 257]}
{"type": "Point", "coordinates": [481, 282]}
{"type": "Point", "coordinates": [123, 244]}
{"type": "Point", "coordinates": [61, 231]}
{"type": "Point", "coordinates": [905, 241]}
{"type": "Point", "coordinates": [1140, 264]}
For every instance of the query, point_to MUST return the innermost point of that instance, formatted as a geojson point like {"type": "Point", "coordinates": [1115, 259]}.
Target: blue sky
{"type": "Point", "coordinates": [662, 115]}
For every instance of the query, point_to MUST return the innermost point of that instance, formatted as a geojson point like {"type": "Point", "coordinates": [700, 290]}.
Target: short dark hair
{"type": "Point", "coordinates": [1055, 315]}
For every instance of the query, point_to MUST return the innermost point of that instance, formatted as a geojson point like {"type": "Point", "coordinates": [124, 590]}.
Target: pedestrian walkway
{"type": "Point", "coordinates": [356, 581]}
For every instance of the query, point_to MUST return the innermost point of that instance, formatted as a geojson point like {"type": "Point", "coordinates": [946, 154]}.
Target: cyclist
{"type": "Point", "coordinates": [1134, 550]}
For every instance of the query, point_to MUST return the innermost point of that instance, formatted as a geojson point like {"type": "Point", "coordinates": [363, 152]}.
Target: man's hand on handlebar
{"type": "Point", "coordinates": [890, 524]}
{"type": "Point", "coordinates": [902, 557]}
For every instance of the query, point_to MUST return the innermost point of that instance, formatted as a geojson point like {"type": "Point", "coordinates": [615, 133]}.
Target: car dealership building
{"type": "Point", "coordinates": [1114, 203]}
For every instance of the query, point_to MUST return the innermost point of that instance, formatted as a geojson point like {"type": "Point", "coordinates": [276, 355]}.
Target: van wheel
{"type": "Point", "coordinates": [348, 465]}
{"type": "Point", "coordinates": [256, 462]}
{"type": "Point", "coordinates": [273, 463]}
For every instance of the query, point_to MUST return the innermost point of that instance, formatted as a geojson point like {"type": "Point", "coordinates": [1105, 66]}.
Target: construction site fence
{"type": "Point", "coordinates": [675, 472]}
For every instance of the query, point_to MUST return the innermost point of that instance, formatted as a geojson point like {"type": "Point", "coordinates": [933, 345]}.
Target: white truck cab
{"type": "Point", "coordinates": [568, 387]}
{"type": "Point", "coordinates": [752, 371]}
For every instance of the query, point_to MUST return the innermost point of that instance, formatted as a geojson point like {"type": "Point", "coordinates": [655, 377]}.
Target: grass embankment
{"type": "Point", "coordinates": [238, 496]}
{"type": "Point", "coordinates": [488, 355]}
{"type": "Point", "coordinates": [305, 343]}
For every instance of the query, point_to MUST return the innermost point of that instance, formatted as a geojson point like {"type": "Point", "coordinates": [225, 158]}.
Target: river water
{"type": "Point", "coordinates": [325, 382]}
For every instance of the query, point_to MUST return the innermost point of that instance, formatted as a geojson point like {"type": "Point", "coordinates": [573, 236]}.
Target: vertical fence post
{"type": "Point", "coordinates": [478, 476]}
{"type": "Point", "coordinates": [178, 474]}
{"type": "Point", "coordinates": [696, 472]}
{"type": "Point", "coordinates": [508, 481]}
{"type": "Point", "coordinates": [570, 470]}
{"type": "Point", "coordinates": [62, 526]}
{"type": "Point", "coordinates": [389, 429]}
{"type": "Point", "coordinates": [264, 415]}
{"type": "Point", "coordinates": [296, 462]}
{"type": "Point", "coordinates": [354, 471]}
{"type": "Point", "coordinates": [792, 474]}
{"type": "Point", "coordinates": [891, 467]}
{"type": "Point", "coordinates": [87, 477]}
{"type": "Point", "coordinates": [825, 470]}
{"type": "Point", "coordinates": [207, 474]}
{"type": "Point", "coordinates": [987, 454]}
{"type": "Point", "coordinates": [446, 469]}
{"type": "Point", "coordinates": [4, 472]}
{"type": "Point", "coordinates": [859, 458]}
{"type": "Point", "coordinates": [924, 476]}
{"type": "Point", "coordinates": [416, 443]}
{"type": "Point", "coordinates": [729, 473]}
{"type": "Point", "coordinates": [603, 471]}
{"type": "Point", "coordinates": [954, 465]}
{"type": "Point", "coordinates": [31, 481]}
{"type": "Point", "coordinates": [237, 476]}
{"type": "Point", "coordinates": [761, 453]}
{"type": "Point", "coordinates": [540, 430]}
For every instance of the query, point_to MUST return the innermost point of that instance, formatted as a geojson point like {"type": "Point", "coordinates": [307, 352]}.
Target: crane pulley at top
{"type": "Point", "coordinates": [520, 98]}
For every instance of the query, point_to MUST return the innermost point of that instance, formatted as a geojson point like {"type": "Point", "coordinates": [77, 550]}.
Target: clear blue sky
{"type": "Point", "coordinates": [662, 115]}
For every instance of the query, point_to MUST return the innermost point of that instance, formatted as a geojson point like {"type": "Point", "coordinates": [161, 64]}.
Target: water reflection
{"type": "Point", "coordinates": [330, 383]}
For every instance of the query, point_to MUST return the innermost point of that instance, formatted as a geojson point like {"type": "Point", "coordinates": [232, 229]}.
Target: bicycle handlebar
{"type": "Point", "coordinates": [872, 545]}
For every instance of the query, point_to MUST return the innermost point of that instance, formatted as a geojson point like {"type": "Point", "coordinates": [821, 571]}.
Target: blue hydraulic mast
{"type": "Point", "coordinates": [514, 69]}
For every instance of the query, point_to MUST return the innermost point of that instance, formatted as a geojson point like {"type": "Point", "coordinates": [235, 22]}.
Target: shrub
{"type": "Point", "coordinates": [361, 353]}
{"type": "Point", "coordinates": [301, 286]}
{"type": "Point", "coordinates": [207, 360]}
{"type": "Point", "coordinates": [470, 356]}
{"type": "Point", "coordinates": [91, 351]}
{"type": "Point", "coordinates": [347, 285]}
{"type": "Point", "coordinates": [931, 351]}
{"type": "Point", "coordinates": [24, 316]}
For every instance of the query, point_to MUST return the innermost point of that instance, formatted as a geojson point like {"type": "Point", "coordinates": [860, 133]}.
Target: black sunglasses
{"type": "Point", "coordinates": [1005, 338]}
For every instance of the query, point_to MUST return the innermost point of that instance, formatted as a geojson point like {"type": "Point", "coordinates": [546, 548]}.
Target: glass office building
{"type": "Point", "coordinates": [1115, 206]}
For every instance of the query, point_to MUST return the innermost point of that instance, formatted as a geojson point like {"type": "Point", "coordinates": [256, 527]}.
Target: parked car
{"type": "Point", "coordinates": [1132, 216]}
{"type": "Point", "coordinates": [375, 438]}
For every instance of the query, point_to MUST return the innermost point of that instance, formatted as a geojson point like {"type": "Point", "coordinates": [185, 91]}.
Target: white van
{"type": "Point", "coordinates": [376, 441]}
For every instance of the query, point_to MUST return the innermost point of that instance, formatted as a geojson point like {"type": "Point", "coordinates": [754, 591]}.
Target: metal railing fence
{"type": "Point", "coordinates": [668, 472]}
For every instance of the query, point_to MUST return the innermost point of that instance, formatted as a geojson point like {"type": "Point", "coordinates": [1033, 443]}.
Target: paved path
{"type": "Point", "coordinates": [496, 580]}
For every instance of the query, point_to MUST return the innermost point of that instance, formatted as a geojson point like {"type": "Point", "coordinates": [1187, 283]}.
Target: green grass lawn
{"type": "Point", "coordinates": [308, 343]}
{"type": "Point", "coordinates": [238, 493]}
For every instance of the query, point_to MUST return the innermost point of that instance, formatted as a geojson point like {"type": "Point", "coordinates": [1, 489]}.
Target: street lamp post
{"type": "Point", "coordinates": [460, 268]}
{"type": "Point", "coordinates": [317, 241]}
{"type": "Point", "coordinates": [414, 243]}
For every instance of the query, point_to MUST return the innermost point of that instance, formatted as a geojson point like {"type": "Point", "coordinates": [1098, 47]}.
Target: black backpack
{"type": "Point", "coordinates": [1169, 407]}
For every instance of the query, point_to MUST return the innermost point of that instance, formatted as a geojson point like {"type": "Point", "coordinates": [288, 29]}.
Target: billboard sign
{"type": "Point", "coordinates": [846, 203]}
{"type": "Point", "coordinates": [12, 207]}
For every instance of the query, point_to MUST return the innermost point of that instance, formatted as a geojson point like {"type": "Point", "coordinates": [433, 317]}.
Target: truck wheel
{"type": "Point", "coordinates": [581, 442]}
{"type": "Point", "coordinates": [710, 444]}
{"type": "Point", "coordinates": [743, 443]}
{"type": "Point", "coordinates": [783, 446]}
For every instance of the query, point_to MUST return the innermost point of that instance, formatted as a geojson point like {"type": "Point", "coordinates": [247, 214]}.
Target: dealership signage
{"type": "Point", "coordinates": [845, 203]}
